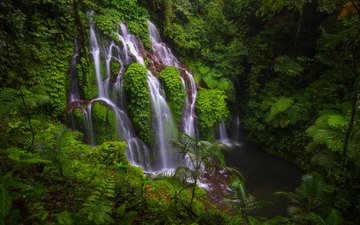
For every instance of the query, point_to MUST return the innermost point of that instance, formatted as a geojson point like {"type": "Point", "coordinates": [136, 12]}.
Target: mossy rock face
{"type": "Point", "coordinates": [104, 123]}
{"type": "Point", "coordinates": [175, 93]}
{"type": "Point", "coordinates": [211, 109]}
{"type": "Point", "coordinates": [87, 79]}
{"type": "Point", "coordinates": [138, 101]}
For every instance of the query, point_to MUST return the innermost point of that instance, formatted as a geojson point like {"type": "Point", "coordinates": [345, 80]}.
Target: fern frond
{"type": "Point", "coordinates": [334, 217]}
{"type": "Point", "coordinates": [337, 121]}
{"type": "Point", "coordinates": [325, 160]}
{"type": "Point", "coordinates": [183, 174]}
{"type": "Point", "coordinates": [294, 198]}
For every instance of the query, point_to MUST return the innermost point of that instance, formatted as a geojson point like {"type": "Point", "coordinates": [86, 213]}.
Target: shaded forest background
{"type": "Point", "coordinates": [288, 68]}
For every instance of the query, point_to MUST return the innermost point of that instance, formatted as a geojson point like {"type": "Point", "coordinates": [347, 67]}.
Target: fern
{"type": "Point", "coordinates": [98, 206]}
{"type": "Point", "coordinates": [337, 121]}
{"type": "Point", "coordinates": [333, 218]}
{"type": "Point", "coordinates": [329, 130]}
{"type": "Point", "coordinates": [11, 100]}
{"type": "Point", "coordinates": [326, 160]}
{"type": "Point", "coordinates": [308, 199]}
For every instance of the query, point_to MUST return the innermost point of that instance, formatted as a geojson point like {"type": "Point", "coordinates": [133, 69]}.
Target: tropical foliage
{"type": "Point", "coordinates": [175, 93]}
{"type": "Point", "coordinates": [138, 100]}
{"type": "Point", "coordinates": [211, 109]}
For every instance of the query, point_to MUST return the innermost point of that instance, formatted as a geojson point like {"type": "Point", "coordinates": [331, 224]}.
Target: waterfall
{"type": "Point", "coordinates": [162, 55]}
{"type": "Point", "coordinates": [89, 124]}
{"type": "Point", "coordinates": [95, 51]}
{"type": "Point", "coordinates": [223, 135]}
{"type": "Point", "coordinates": [110, 93]}
{"type": "Point", "coordinates": [234, 139]}
{"type": "Point", "coordinates": [137, 152]}
{"type": "Point", "coordinates": [163, 127]}
{"type": "Point", "coordinates": [189, 115]}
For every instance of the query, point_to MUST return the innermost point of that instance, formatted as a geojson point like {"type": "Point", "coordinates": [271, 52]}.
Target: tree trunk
{"type": "Point", "coordinates": [79, 27]}
{"type": "Point", "coordinates": [297, 33]}
{"type": "Point", "coordinates": [353, 105]}
{"type": "Point", "coordinates": [193, 193]}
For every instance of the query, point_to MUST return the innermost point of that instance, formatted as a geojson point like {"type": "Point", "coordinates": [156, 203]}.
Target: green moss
{"type": "Point", "coordinates": [87, 79]}
{"type": "Point", "coordinates": [175, 92]}
{"type": "Point", "coordinates": [104, 123]}
{"type": "Point", "coordinates": [138, 99]}
{"type": "Point", "coordinates": [115, 68]}
{"type": "Point", "coordinates": [211, 109]}
{"type": "Point", "coordinates": [77, 119]}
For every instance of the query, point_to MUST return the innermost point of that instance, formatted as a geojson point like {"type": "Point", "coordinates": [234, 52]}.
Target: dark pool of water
{"type": "Point", "coordinates": [265, 174]}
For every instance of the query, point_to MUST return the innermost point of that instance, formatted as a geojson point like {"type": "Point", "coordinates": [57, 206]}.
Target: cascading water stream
{"type": "Point", "coordinates": [234, 139]}
{"type": "Point", "coordinates": [189, 115]}
{"type": "Point", "coordinates": [223, 136]}
{"type": "Point", "coordinates": [137, 152]}
{"type": "Point", "coordinates": [89, 124]}
{"type": "Point", "coordinates": [164, 126]}
{"type": "Point", "coordinates": [163, 55]}
{"type": "Point", "coordinates": [74, 90]}
{"type": "Point", "coordinates": [132, 44]}
{"type": "Point", "coordinates": [95, 51]}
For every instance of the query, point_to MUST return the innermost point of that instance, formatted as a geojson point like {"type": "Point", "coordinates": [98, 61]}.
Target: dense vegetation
{"type": "Point", "coordinates": [176, 95]}
{"type": "Point", "coordinates": [138, 97]}
{"type": "Point", "coordinates": [289, 69]}
{"type": "Point", "coordinates": [211, 110]}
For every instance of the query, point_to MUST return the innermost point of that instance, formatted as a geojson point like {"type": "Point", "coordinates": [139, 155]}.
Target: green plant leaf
{"type": "Point", "coordinates": [64, 218]}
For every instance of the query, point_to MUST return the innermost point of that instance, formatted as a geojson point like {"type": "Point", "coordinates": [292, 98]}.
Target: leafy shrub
{"type": "Point", "coordinates": [289, 67]}
{"type": "Point", "coordinates": [329, 130]}
{"type": "Point", "coordinates": [213, 79]}
{"type": "Point", "coordinates": [138, 100]}
{"type": "Point", "coordinates": [175, 92]}
{"type": "Point", "coordinates": [211, 109]}
{"type": "Point", "coordinates": [275, 108]}
{"type": "Point", "coordinates": [104, 123]}
{"type": "Point", "coordinates": [112, 153]}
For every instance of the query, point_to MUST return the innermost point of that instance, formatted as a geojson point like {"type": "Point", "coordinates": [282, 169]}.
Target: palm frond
{"type": "Point", "coordinates": [12, 100]}
{"type": "Point", "coordinates": [8, 98]}
{"type": "Point", "coordinates": [326, 160]}
{"type": "Point", "coordinates": [238, 186]}
{"type": "Point", "coordinates": [255, 205]}
{"type": "Point", "coordinates": [184, 174]}
{"type": "Point", "coordinates": [235, 173]}
{"type": "Point", "coordinates": [294, 198]}
{"type": "Point", "coordinates": [313, 187]}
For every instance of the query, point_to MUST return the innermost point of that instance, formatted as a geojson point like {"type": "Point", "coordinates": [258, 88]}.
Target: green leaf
{"type": "Point", "coordinates": [64, 218]}
{"type": "Point", "coordinates": [337, 121]}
